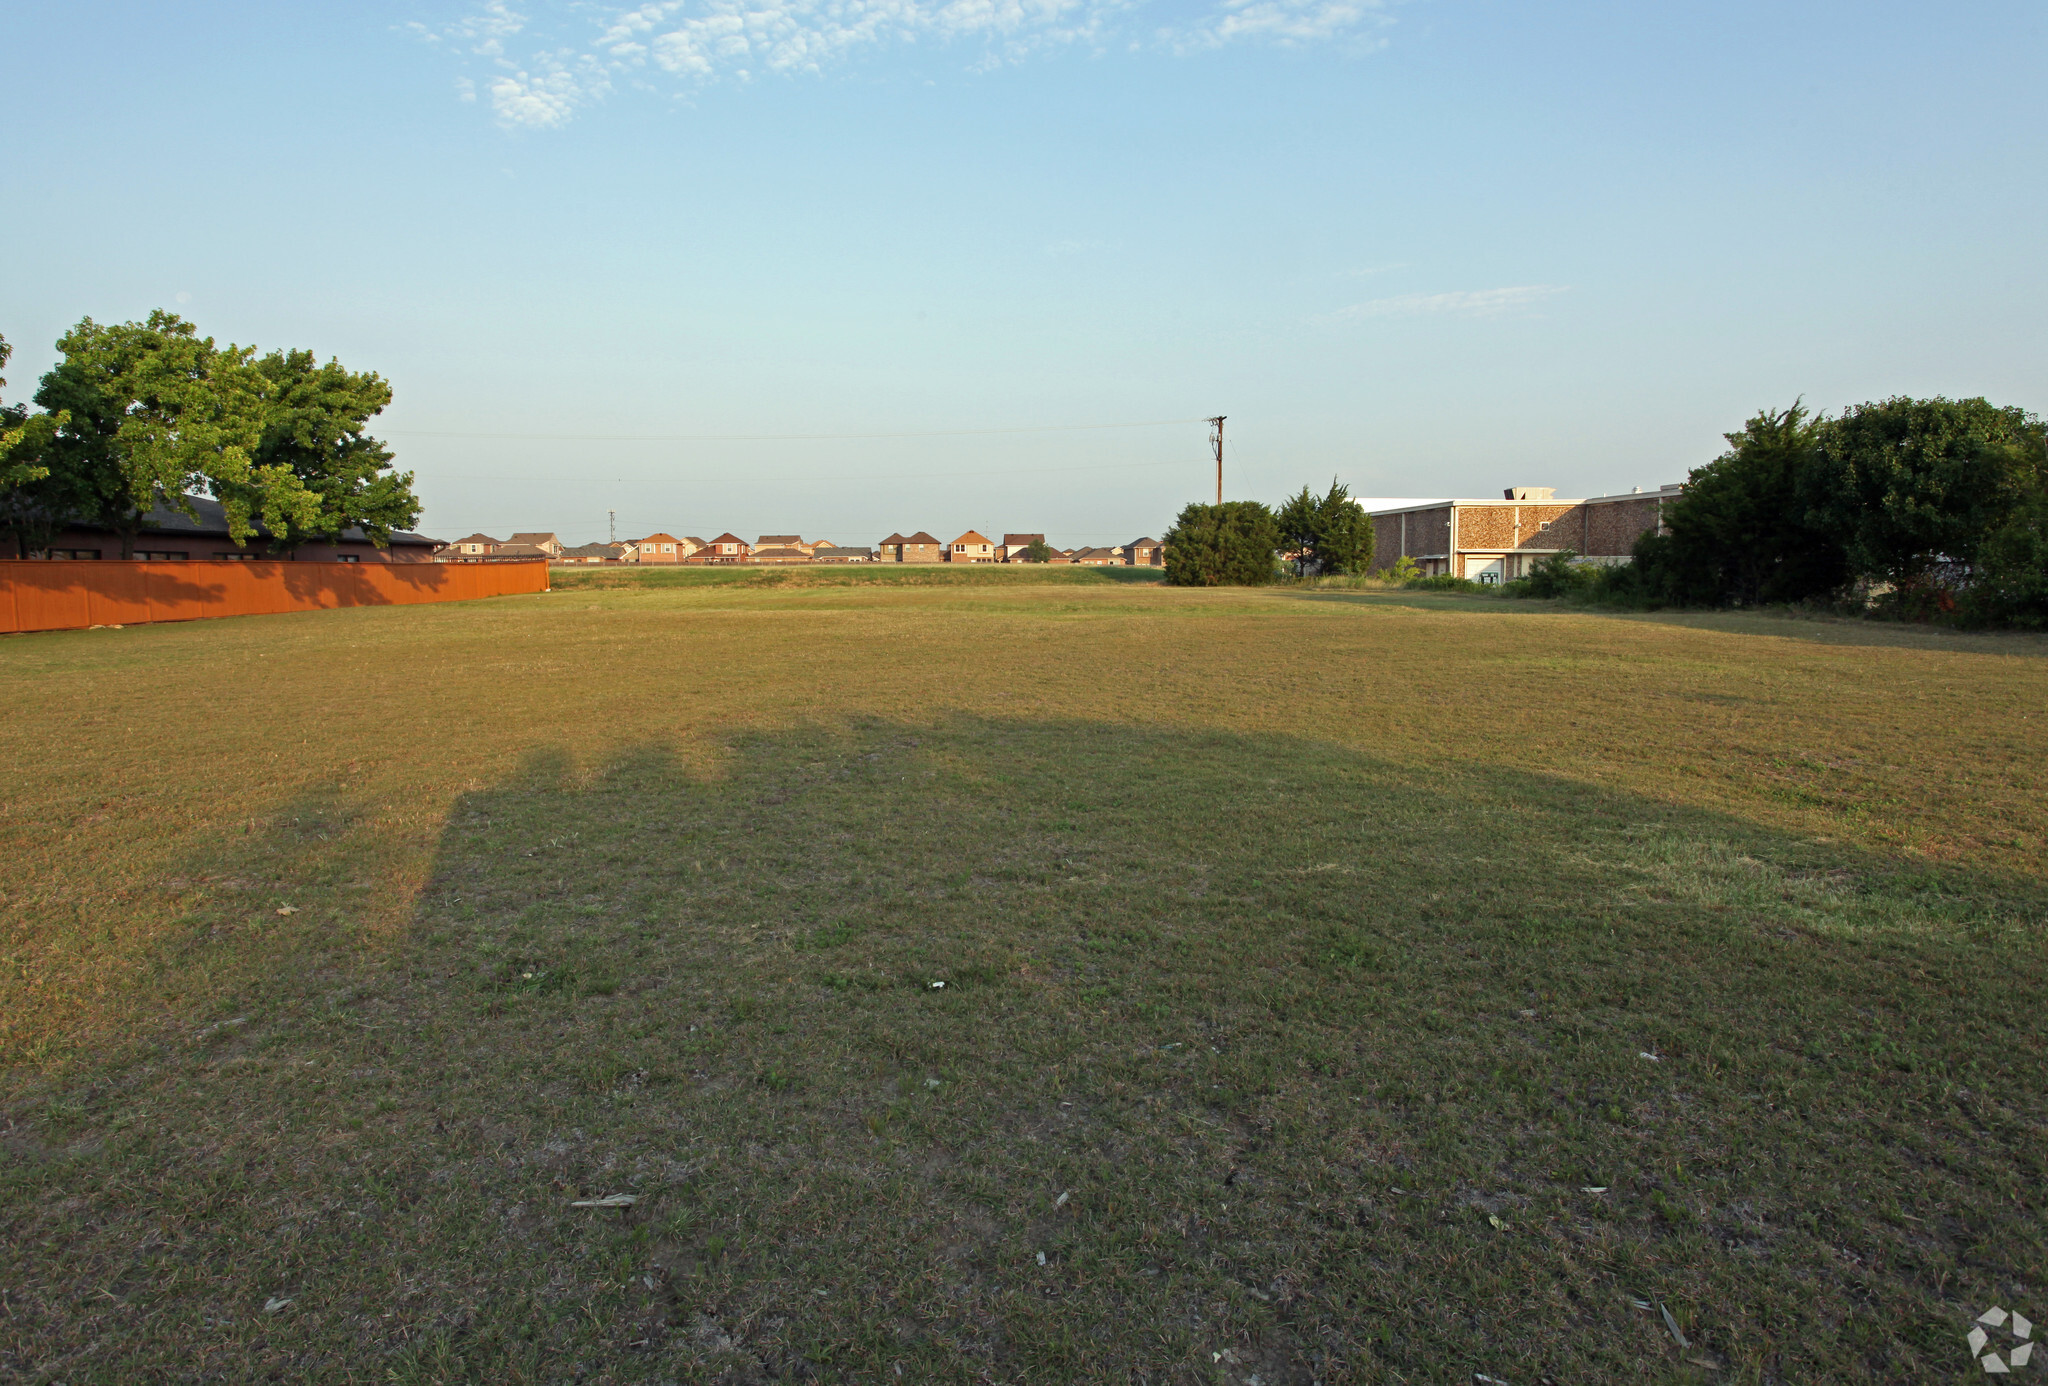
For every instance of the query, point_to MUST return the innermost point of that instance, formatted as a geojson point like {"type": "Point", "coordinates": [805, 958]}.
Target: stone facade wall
{"type": "Point", "coordinates": [1614, 526]}
{"type": "Point", "coordinates": [1429, 531]}
{"type": "Point", "coordinates": [1519, 525]}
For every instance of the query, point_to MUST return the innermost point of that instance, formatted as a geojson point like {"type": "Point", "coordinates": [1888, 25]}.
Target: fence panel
{"type": "Point", "coordinates": [70, 593]}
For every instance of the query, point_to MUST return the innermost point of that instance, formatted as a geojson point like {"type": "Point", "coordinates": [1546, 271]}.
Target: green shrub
{"type": "Point", "coordinates": [2010, 586]}
{"type": "Point", "coordinates": [1227, 545]}
{"type": "Point", "coordinates": [1558, 575]}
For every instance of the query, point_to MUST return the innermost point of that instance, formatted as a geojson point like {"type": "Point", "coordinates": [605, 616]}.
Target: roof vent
{"type": "Point", "coordinates": [1530, 493]}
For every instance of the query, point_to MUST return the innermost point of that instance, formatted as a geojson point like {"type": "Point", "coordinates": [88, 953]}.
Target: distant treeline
{"type": "Point", "coordinates": [1243, 543]}
{"type": "Point", "coordinates": [145, 413]}
{"type": "Point", "coordinates": [1917, 508]}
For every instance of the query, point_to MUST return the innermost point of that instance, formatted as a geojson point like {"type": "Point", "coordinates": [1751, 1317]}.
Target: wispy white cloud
{"type": "Point", "coordinates": [1287, 22]}
{"type": "Point", "coordinates": [564, 54]}
{"type": "Point", "coordinates": [1464, 303]}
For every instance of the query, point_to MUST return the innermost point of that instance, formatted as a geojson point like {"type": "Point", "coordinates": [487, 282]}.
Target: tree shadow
{"type": "Point", "coordinates": [1061, 1051]}
{"type": "Point", "coordinates": [1816, 628]}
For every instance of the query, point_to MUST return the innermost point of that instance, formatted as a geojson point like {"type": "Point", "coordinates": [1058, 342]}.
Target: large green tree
{"type": "Point", "coordinates": [29, 514]}
{"type": "Point", "coordinates": [1742, 532]}
{"type": "Point", "coordinates": [314, 417]}
{"type": "Point", "coordinates": [1327, 535]}
{"type": "Point", "coordinates": [1909, 484]}
{"type": "Point", "coordinates": [155, 412]}
{"type": "Point", "coordinates": [21, 442]}
{"type": "Point", "coordinates": [2010, 584]}
{"type": "Point", "coordinates": [1232, 544]}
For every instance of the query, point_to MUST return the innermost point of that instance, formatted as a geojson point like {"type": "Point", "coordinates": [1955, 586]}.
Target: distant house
{"type": "Point", "coordinates": [1501, 540]}
{"type": "Point", "coordinates": [1098, 558]}
{"type": "Point", "coordinates": [1011, 550]}
{"type": "Point", "coordinates": [832, 553]}
{"type": "Point", "coordinates": [779, 554]}
{"type": "Point", "coordinates": [971, 548]}
{"type": "Point", "coordinates": [783, 541]}
{"type": "Point", "coordinates": [474, 546]}
{"type": "Point", "coordinates": [1145, 553]}
{"type": "Point", "coordinates": [546, 543]}
{"type": "Point", "coordinates": [657, 548]}
{"type": "Point", "coordinates": [593, 553]}
{"type": "Point", "coordinates": [916, 548]}
{"type": "Point", "coordinates": [726, 548]}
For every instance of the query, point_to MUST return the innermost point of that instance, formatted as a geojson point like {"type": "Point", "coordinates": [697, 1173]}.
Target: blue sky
{"type": "Point", "coordinates": [1432, 247]}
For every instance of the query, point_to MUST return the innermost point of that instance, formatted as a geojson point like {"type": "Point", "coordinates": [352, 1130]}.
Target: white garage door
{"type": "Point", "coordinates": [1483, 569]}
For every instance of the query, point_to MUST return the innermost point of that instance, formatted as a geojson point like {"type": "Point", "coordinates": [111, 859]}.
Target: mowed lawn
{"type": "Point", "coordinates": [1016, 980]}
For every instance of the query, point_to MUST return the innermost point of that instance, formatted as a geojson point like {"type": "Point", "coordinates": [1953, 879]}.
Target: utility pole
{"type": "Point", "coordinates": [1216, 438]}
{"type": "Point", "coordinates": [615, 525]}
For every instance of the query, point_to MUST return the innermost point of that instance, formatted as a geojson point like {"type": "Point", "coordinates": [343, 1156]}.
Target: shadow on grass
{"type": "Point", "coordinates": [1783, 623]}
{"type": "Point", "coordinates": [1058, 1052]}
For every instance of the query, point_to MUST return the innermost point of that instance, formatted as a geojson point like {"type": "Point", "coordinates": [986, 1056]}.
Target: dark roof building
{"type": "Point", "coordinates": [592, 553]}
{"type": "Point", "coordinates": [170, 533]}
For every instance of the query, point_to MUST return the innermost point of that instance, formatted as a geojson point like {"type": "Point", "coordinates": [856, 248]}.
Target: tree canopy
{"type": "Point", "coordinates": [1911, 483]}
{"type": "Point", "coordinates": [1328, 535]}
{"type": "Point", "coordinates": [141, 414]}
{"type": "Point", "coordinates": [1232, 544]}
{"type": "Point", "coordinates": [313, 428]}
{"type": "Point", "coordinates": [1741, 531]}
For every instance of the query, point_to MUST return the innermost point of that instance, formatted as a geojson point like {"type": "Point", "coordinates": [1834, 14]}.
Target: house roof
{"type": "Point", "coordinates": [778, 541]}
{"type": "Point", "coordinates": [921, 538]}
{"type": "Point", "coordinates": [835, 551]}
{"type": "Point", "coordinates": [536, 539]}
{"type": "Point", "coordinates": [780, 553]}
{"type": "Point", "coordinates": [894, 539]}
{"type": "Point", "coordinates": [970, 537]}
{"type": "Point", "coordinates": [477, 538]}
{"type": "Point", "coordinates": [728, 538]}
{"type": "Point", "coordinates": [1148, 539]}
{"type": "Point", "coordinates": [1080, 554]}
{"type": "Point", "coordinates": [1020, 541]}
{"type": "Point", "coordinates": [594, 551]}
{"type": "Point", "coordinates": [521, 551]}
{"type": "Point", "coordinates": [693, 539]}
{"type": "Point", "coordinates": [657, 539]}
{"type": "Point", "coordinates": [213, 524]}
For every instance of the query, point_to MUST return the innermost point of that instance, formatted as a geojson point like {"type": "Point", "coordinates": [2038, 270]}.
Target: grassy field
{"type": "Point", "coordinates": [1012, 981]}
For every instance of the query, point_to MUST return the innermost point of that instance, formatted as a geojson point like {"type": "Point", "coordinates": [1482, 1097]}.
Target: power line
{"type": "Point", "coordinates": [582, 479]}
{"type": "Point", "coordinates": [771, 437]}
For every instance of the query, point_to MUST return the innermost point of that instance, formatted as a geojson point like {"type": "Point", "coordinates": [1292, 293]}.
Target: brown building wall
{"type": "Point", "coordinates": [1512, 526]}
{"type": "Point", "coordinates": [922, 553]}
{"type": "Point", "coordinates": [1429, 531]}
{"type": "Point", "coordinates": [1613, 527]}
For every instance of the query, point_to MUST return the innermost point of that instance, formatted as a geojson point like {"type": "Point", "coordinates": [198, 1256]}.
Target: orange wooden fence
{"type": "Point", "coordinates": [72, 593]}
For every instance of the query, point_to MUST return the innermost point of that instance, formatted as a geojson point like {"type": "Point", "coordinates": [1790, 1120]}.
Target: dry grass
{"type": "Point", "coordinates": [1308, 943]}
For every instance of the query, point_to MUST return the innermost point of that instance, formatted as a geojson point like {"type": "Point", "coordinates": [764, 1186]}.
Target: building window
{"type": "Point", "coordinates": [72, 553]}
{"type": "Point", "coordinates": [159, 556]}
{"type": "Point", "coordinates": [347, 558]}
{"type": "Point", "coordinates": [236, 557]}
{"type": "Point", "coordinates": [1544, 525]}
